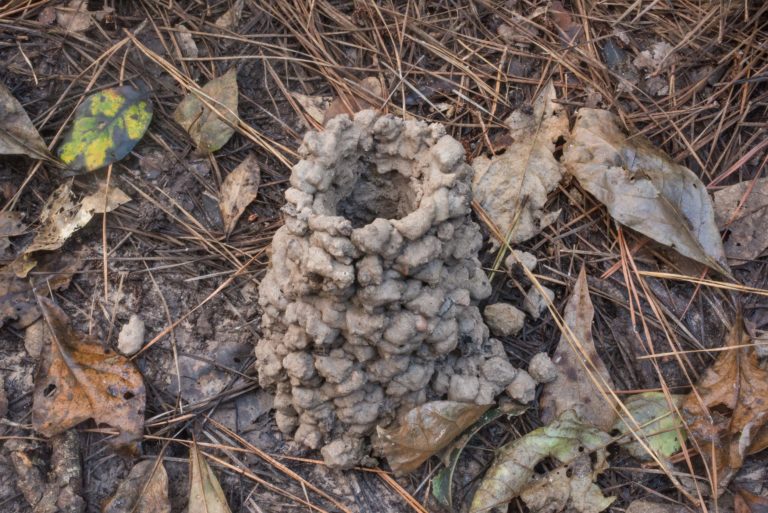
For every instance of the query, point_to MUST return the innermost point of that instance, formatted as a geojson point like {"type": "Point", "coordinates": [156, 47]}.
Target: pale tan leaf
{"type": "Point", "coordinates": [368, 93]}
{"type": "Point", "coordinates": [18, 136]}
{"type": "Point", "coordinates": [643, 188]}
{"type": "Point", "coordinates": [425, 430]}
{"type": "Point", "coordinates": [314, 106]}
{"type": "Point", "coordinates": [205, 493]}
{"type": "Point", "coordinates": [186, 42]}
{"type": "Point", "coordinates": [145, 490]}
{"type": "Point", "coordinates": [210, 117]}
{"type": "Point", "coordinates": [75, 17]}
{"type": "Point", "coordinates": [513, 187]}
{"type": "Point", "coordinates": [230, 19]}
{"type": "Point", "coordinates": [746, 222]}
{"type": "Point", "coordinates": [573, 389]}
{"type": "Point", "coordinates": [238, 190]}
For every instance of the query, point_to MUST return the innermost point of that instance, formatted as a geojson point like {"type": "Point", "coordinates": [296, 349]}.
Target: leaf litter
{"type": "Point", "coordinates": [660, 426]}
{"type": "Point", "coordinates": [742, 210]}
{"type": "Point", "coordinates": [205, 493]}
{"type": "Point", "coordinates": [144, 490]}
{"type": "Point", "coordinates": [238, 190]}
{"type": "Point", "coordinates": [78, 379]}
{"type": "Point", "coordinates": [18, 136]}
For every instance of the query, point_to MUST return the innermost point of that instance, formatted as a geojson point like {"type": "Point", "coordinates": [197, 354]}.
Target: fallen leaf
{"type": "Point", "coordinates": [314, 107]}
{"type": "Point", "coordinates": [573, 389]}
{"type": "Point", "coordinates": [78, 379]}
{"type": "Point", "coordinates": [513, 187]}
{"type": "Point", "coordinates": [643, 188]}
{"type": "Point", "coordinates": [238, 190]}
{"type": "Point", "coordinates": [747, 502]}
{"type": "Point", "coordinates": [364, 95]}
{"type": "Point", "coordinates": [75, 17]}
{"type": "Point", "coordinates": [205, 493]}
{"type": "Point", "coordinates": [145, 490]}
{"type": "Point", "coordinates": [659, 425]}
{"type": "Point", "coordinates": [186, 42]}
{"type": "Point", "coordinates": [17, 295]}
{"type": "Point", "coordinates": [18, 136]}
{"type": "Point", "coordinates": [728, 408]}
{"type": "Point", "coordinates": [425, 430]}
{"type": "Point", "coordinates": [61, 216]}
{"type": "Point", "coordinates": [442, 483]}
{"type": "Point", "coordinates": [11, 225]}
{"type": "Point", "coordinates": [230, 19]}
{"type": "Point", "coordinates": [107, 126]}
{"type": "Point", "coordinates": [644, 506]}
{"type": "Point", "coordinates": [564, 439]}
{"type": "Point", "coordinates": [210, 118]}
{"type": "Point", "coordinates": [745, 222]}
{"type": "Point", "coordinates": [569, 488]}
{"type": "Point", "coordinates": [568, 30]}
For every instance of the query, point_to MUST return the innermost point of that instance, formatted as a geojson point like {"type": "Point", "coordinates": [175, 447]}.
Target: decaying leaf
{"type": "Point", "coordinates": [747, 502]}
{"type": "Point", "coordinates": [75, 17]}
{"type": "Point", "coordinates": [569, 31]}
{"type": "Point", "coordinates": [512, 187]}
{"type": "Point", "coordinates": [660, 427]}
{"type": "Point", "coordinates": [230, 19]}
{"type": "Point", "coordinates": [442, 483]}
{"type": "Point", "coordinates": [573, 389]}
{"type": "Point", "coordinates": [61, 216]}
{"type": "Point", "coordinates": [145, 490]}
{"type": "Point", "coordinates": [314, 107]}
{"type": "Point", "coordinates": [78, 379]}
{"type": "Point", "coordinates": [11, 225]}
{"type": "Point", "coordinates": [643, 188]}
{"type": "Point", "coordinates": [186, 42]}
{"type": "Point", "coordinates": [17, 295]}
{"type": "Point", "coordinates": [210, 118]}
{"type": "Point", "coordinates": [742, 210]}
{"type": "Point", "coordinates": [729, 407]}
{"type": "Point", "coordinates": [569, 488]}
{"type": "Point", "coordinates": [564, 439]}
{"type": "Point", "coordinates": [645, 506]}
{"type": "Point", "coordinates": [107, 126]}
{"type": "Point", "coordinates": [238, 190]}
{"type": "Point", "coordinates": [425, 430]}
{"type": "Point", "coordinates": [205, 493]}
{"type": "Point", "coordinates": [364, 95]}
{"type": "Point", "coordinates": [18, 136]}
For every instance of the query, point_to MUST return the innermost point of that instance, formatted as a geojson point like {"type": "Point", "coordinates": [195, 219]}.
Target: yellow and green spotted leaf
{"type": "Point", "coordinates": [107, 126]}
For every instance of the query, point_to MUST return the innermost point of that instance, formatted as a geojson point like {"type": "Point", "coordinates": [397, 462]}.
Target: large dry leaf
{"type": "Point", "coordinates": [574, 389]}
{"type": "Point", "coordinates": [643, 188]}
{"type": "Point", "coordinates": [78, 379]}
{"type": "Point", "coordinates": [569, 488]}
{"type": "Point", "coordinates": [513, 187]}
{"type": "Point", "coordinates": [210, 118]}
{"type": "Point", "coordinates": [145, 490]}
{"type": "Point", "coordinates": [729, 407]}
{"type": "Point", "coordinates": [742, 210]}
{"type": "Point", "coordinates": [425, 430]}
{"type": "Point", "coordinates": [659, 426]}
{"type": "Point", "coordinates": [564, 439]}
{"type": "Point", "coordinates": [18, 136]}
{"type": "Point", "coordinates": [61, 216]}
{"type": "Point", "coordinates": [205, 493]}
{"type": "Point", "coordinates": [238, 190]}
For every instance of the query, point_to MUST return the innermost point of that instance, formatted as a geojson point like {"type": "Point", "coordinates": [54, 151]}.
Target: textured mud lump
{"type": "Point", "coordinates": [370, 300]}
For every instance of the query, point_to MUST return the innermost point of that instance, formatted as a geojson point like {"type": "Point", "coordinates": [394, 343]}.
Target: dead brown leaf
{"type": "Point", "coordinates": [205, 493]}
{"type": "Point", "coordinates": [742, 209]}
{"type": "Point", "coordinates": [747, 502]}
{"type": "Point", "coordinates": [368, 93]}
{"type": "Point", "coordinates": [573, 389]}
{"type": "Point", "coordinates": [11, 225]}
{"type": "Point", "coordinates": [643, 188]}
{"type": "Point", "coordinates": [568, 30]}
{"type": "Point", "coordinates": [238, 190]}
{"type": "Point", "coordinates": [145, 490]}
{"type": "Point", "coordinates": [230, 19]}
{"type": "Point", "coordinates": [570, 488]}
{"type": "Point", "coordinates": [729, 406]}
{"type": "Point", "coordinates": [18, 136]}
{"type": "Point", "coordinates": [75, 17]}
{"type": "Point", "coordinates": [78, 379]}
{"type": "Point", "coordinates": [314, 107]}
{"type": "Point", "coordinates": [424, 431]}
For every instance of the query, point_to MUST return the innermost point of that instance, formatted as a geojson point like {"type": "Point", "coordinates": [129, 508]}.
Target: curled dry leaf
{"type": "Point", "coordinates": [513, 187]}
{"type": "Point", "coordinates": [728, 411]}
{"type": "Point", "coordinates": [574, 389]}
{"type": "Point", "coordinates": [564, 439]}
{"type": "Point", "coordinates": [742, 210]}
{"type": "Point", "coordinates": [660, 426]}
{"type": "Point", "coordinates": [18, 136]}
{"type": "Point", "coordinates": [210, 117]}
{"type": "Point", "coordinates": [145, 490]}
{"type": "Point", "coordinates": [78, 379]}
{"type": "Point", "coordinates": [424, 431]}
{"type": "Point", "coordinates": [205, 493]}
{"type": "Point", "coordinates": [238, 190]}
{"type": "Point", "coordinates": [107, 126]}
{"type": "Point", "coordinates": [368, 93]}
{"type": "Point", "coordinates": [61, 216]}
{"type": "Point", "coordinates": [643, 188]}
